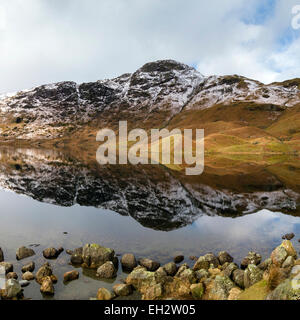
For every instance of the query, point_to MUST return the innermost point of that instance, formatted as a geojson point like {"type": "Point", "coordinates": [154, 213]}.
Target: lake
{"type": "Point", "coordinates": [51, 199]}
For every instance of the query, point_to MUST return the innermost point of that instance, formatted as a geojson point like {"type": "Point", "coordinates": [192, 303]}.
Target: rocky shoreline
{"type": "Point", "coordinates": [212, 277]}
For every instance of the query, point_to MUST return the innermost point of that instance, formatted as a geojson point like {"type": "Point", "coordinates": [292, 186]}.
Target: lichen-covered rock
{"type": "Point", "coordinates": [107, 271]}
{"type": "Point", "coordinates": [201, 263]}
{"type": "Point", "coordinates": [188, 275]}
{"type": "Point", "coordinates": [128, 262]}
{"type": "Point", "coordinates": [76, 257]}
{"type": "Point", "coordinates": [197, 290]}
{"type": "Point", "coordinates": [104, 294]}
{"type": "Point", "coordinates": [154, 292]}
{"type": "Point", "coordinates": [140, 278]}
{"type": "Point", "coordinates": [234, 294]}
{"type": "Point", "coordinates": [288, 246]}
{"type": "Point", "coordinates": [238, 278]}
{"type": "Point", "coordinates": [122, 289]}
{"type": "Point", "coordinates": [265, 264]}
{"type": "Point", "coordinates": [252, 275]}
{"type": "Point", "coordinates": [295, 270]}
{"type": "Point", "coordinates": [289, 262]}
{"type": "Point", "coordinates": [251, 258]}
{"type": "Point", "coordinates": [24, 252]}
{"type": "Point", "coordinates": [201, 274]}
{"type": "Point", "coordinates": [285, 291]}
{"type": "Point", "coordinates": [278, 256]}
{"type": "Point", "coordinates": [224, 257]}
{"type": "Point", "coordinates": [94, 255]}
{"type": "Point", "coordinates": [12, 289]}
{"type": "Point", "coordinates": [219, 288]}
{"type": "Point", "coordinates": [161, 272]}
{"type": "Point", "coordinates": [229, 270]}
{"type": "Point", "coordinates": [149, 264]}
{"type": "Point", "coordinates": [170, 268]}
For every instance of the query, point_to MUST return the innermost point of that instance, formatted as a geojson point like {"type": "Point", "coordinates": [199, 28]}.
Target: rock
{"type": "Point", "coordinates": [149, 264]}
{"type": "Point", "coordinates": [154, 292]}
{"type": "Point", "coordinates": [252, 275]}
{"type": "Point", "coordinates": [251, 258]}
{"type": "Point", "coordinates": [229, 270]}
{"type": "Point", "coordinates": [265, 264]}
{"type": "Point", "coordinates": [289, 262]}
{"type": "Point", "coordinates": [24, 252]}
{"type": "Point", "coordinates": [238, 278]}
{"type": "Point", "coordinates": [234, 294]}
{"type": "Point", "coordinates": [7, 266]}
{"type": "Point", "coordinates": [128, 262]}
{"type": "Point", "coordinates": [69, 252]}
{"type": "Point", "coordinates": [295, 271]}
{"type": "Point", "coordinates": [94, 255]}
{"type": "Point", "coordinates": [104, 294]}
{"type": "Point", "coordinates": [289, 236]}
{"type": "Point", "coordinates": [122, 290]}
{"type": "Point", "coordinates": [224, 257]}
{"type": "Point", "coordinates": [24, 283]}
{"type": "Point", "coordinates": [181, 269]}
{"type": "Point", "coordinates": [161, 272]}
{"type": "Point", "coordinates": [197, 291]}
{"type": "Point", "coordinates": [28, 276]}
{"type": "Point", "coordinates": [188, 275]}
{"type": "Point", "coordinates": [212, 260]}
{"type": "Point", "coordinates": [201, 263]}
{"type": "Point", "coordinates": [278, 256]}
{"type": "Point", "coordinates": [214, 272]}
{"type": "Point", "coordinates": [71, 275]}
{"type": "Point", "coordinates": [193, 258]}
{"type": "Point", "coordinates": [28, 267]}
{"type": "Point", "coordinates": [178, 259]}
{"type": "Point", "coordinates": [288, 246]}
{"type": "Point", "coordinates": [140, 279]}
{"type": "Point", "coordinates": [47, 286]}
{"type": "Point", "coordinates": [219, 288]}
{"type": "Point", "coordinates": [12, 275]}
{"type": "Point", "coordinates": [285, 291]}
{"type": "Point", "coordinates": [76, 257]}
{"type": "Point", "coordinates": [1, 255]}
{"type": "Point", "coordinates": [107, 271]}
{"type": "Point", "coordinates": [52, 253]}
{"type": "Point", "coordinates": [202, 274]}
{"type": "Point", "coordinates": [170, 269]}
{"type": "Point", "coordinates": [12, 289]}
{"type": "Point", "coordinates": [44, 272]}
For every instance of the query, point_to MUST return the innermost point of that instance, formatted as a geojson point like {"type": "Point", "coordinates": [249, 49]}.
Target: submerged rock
{"type": "Point", "coordinates": [24, 252]}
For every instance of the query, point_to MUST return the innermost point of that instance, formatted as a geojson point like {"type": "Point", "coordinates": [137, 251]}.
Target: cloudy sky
{"type": "Point", "coordinates": [45, 41]}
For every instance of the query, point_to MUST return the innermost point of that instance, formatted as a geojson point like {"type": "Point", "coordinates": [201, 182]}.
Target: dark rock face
{"type": "Point", "coordinates": [1, 255]}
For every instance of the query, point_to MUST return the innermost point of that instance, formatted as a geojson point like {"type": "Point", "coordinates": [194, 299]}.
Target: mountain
{"type": "Point", "coordinates": [239, 115]}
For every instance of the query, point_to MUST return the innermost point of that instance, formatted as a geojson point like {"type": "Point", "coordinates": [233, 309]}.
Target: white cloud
{"type": "Point", "coordinates": [48, 41]}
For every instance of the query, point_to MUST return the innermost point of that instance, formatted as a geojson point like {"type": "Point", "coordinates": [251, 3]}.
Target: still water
{"type": "Point", "coordinates": [51, 200]}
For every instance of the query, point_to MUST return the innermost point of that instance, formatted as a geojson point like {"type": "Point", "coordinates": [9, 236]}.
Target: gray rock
{"type": "Point", "coordinates": [224, 257]}
{"type": "Point", "coordinates": [238, 278]}
{"type": "Point", "coordinates": [202, 274]}
{"type": "Point", "coordinates": [212, 260]}
{"type": "Point", "coordinates": [289, 262]}
{"type": "Point", "coordinates": [161, 272]}
{"type": "Point", "coordinates": [279, 255]}
{"type": "Point", "coordinates": [252, 275]}
{"type": "Point", "coordinates": [12, 289]}
{"type": "Point", "coordinates": [229, 270]}
{"type": "Point", "coordinates": [221, 288]}
{"type": "Point", "coordinates": [107, 271]}
{"type": "Point", "coordinates": [29, 267]}
{"type": "Point", "coordinates": [251, 258]}
{"type": "Point", "coordinates": [205, 262]}
{"type": "Point", "coordinates": [170, 269]}
{"type": "Point", "coordinates": [285, 291]}
{"type": "Point", "coordinates": [128, 262]}
{"type": "Point", "coordinates": [150, 265]}
{"type": "Point", "coordinates": [24, 252]}
{"type": "Point", "coordinates": [295, 270]}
